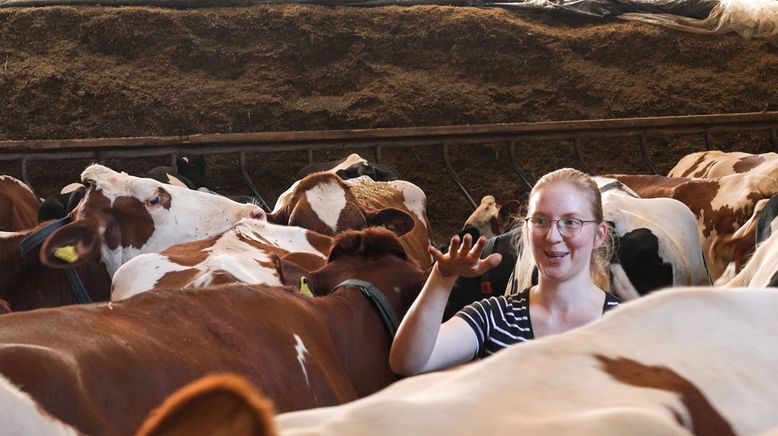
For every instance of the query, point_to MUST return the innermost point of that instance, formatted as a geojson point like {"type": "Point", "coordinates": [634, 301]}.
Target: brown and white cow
{"type": "Point", "coordinates": [722, 206]}
{"type": "Point", "coordinates": [103, 367]}
{"type": "Point", "coordinates": [678, 362]}
{"type": "Point", "coordinates": [326, 204]}
{"type": "Point", "coordinates": [18, 205]}
{"type": "Point", "coordinates": [120, 217]}
{"type": "Point", "coordinates": [491, 219]}
{"type": "Point", "coordinates": [251, 252]}
{"type": "Point", "coordinates": [715, 163]}
{"type": "Point", "coordinates": [761, 270]}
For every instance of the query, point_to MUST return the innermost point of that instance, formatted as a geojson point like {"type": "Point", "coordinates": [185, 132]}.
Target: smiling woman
{"type": "Point", "coordinates": [571, 257]}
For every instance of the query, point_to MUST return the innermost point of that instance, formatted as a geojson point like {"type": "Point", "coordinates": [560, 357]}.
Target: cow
{"type": "Point", "coordinates": [715, 163]}
{"type": "Point", "coordinates": [326, 204]}
{"type": "Point", "coordinates": [250, 252]}
{"type": "Point", "coordinates": [351, 167]}
{"type": "Point", "coordinates": [120, 217]}
{"type": "Point", "coordinates": [188, 173]}
{"type": "Point", "coordinates": [722, 207]}
{"type": "Point", "coordinates": [761, 270]}
{"type": "Point", "coordinates": [491, 219]}
{"type": "Point", "coordinates": [18, 205]}
{"type": "Point", "coordinates": [620, 375]}
{"type": "Point", "coordinates": [114, 362]}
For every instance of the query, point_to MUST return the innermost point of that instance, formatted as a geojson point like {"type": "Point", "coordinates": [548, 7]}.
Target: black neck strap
{"type": "Point", "coordinates": [379, 302]}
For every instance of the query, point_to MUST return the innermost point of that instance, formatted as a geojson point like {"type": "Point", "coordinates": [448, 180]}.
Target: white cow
{"type": "Point", "coordinates": [678, 362]}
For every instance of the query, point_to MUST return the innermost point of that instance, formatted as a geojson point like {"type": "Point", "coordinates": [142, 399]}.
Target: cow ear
{"type": "Point", "coordinates": [72, 245]}
{"type": "Point", "coordinates": [508, 213]}
{"type": "Point", "coordinates": [289, 271]}
{"type": "Point", "coordinates": [224, 404]}
{"type": "Point", "coordinates": [396, 220]}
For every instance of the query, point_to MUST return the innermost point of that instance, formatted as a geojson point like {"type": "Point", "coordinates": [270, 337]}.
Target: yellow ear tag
{"type": "Point", "coordinates": [66, 253]}
{"type": "Point", "coordinates": [304, 289]}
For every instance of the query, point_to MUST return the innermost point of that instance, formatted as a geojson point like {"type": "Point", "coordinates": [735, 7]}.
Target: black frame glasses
{"type": "Point", "coordinates": [568, 227]}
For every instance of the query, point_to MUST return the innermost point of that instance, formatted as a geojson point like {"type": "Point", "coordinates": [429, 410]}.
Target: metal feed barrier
{"type": "Point", "coordinates": [576, 132]}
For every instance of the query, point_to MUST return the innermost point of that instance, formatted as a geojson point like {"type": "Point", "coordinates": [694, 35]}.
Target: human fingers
{"type": "Point", "coordinates": [478, 247]}
{"type": "Point", "coordinates": [489, 262]}
{"type": "Point", "coordinates": [453, 246]}
{"type": "Point", "coordinates": [467, 241]}
{"type": "Point", "coordinates": [437, 254]}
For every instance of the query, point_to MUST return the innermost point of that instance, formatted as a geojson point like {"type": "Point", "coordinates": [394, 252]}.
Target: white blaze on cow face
{"type": "Point", "coordinates": [177, 214]}
{"type": "Point", "coordinates": [327, 200]}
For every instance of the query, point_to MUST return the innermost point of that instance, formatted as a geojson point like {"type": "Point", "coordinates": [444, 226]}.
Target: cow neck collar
{"type": "Point", "coordinates": [36, 238]}
{"type": "Point", "coordinates": [379, 302]}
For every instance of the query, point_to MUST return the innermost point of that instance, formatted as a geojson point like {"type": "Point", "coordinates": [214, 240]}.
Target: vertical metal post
{"type": "Point", "coordinates": [455, 177]}
{"type": "Point", "coordinates": [174, 161]}
{"type": "Point", "coordinates": [310, 156]}
{"type": "Point", "coordinates": [708, 140]}
{"type": "Point", "coordinates": [515, 164]}
{"type": "Point", "coordinates": [378, 156]}
{"type": "Point", "coordinates": [25, 176]}
{"type": "Point", "coordinates": [646, 157]}
{"type": "Point", "coordinates": [576, 147]}
{"type": "Point", "coordinates": [249, 182]}
{"type": "Point", "coordinates": [773, 139]}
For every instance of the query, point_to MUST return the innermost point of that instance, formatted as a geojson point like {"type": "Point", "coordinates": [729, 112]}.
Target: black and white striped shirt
{"type": "Point", "coordinates": [502, 321]}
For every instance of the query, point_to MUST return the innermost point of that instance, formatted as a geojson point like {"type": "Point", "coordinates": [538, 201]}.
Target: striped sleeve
{"type": "Point", "coordinates": [479, 316]}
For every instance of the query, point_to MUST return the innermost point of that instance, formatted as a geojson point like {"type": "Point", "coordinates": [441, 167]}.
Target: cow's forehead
{"type": "Point", "coordinates": [114, 184]}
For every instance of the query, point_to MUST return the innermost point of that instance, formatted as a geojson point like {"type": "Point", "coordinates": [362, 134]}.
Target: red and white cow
{"type": "Point", "coordinates": [678, 362]}
{"type": "Point", "coordinates": [723, 206]}
{"type": "Point", "coordinates": [715, 163]}
{"type": "Point", "coordinates": [351, 167]}
{"type": "Point", "coordinates": [251, 252]}
{"type": "Point", "coordinates": [761, 271]}
{"type": "Point", "coordinates": [326, 204]}
{"type": "Point", "coordinates": [491, 219]}
{"type": "Point", "coordinates": [18, 205]}
{"type": "Point", "coordinates": [103, 367]}
{"type": "Point", "coordinates": [120, 217]}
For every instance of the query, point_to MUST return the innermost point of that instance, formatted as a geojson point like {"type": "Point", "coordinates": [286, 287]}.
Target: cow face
{"type": "Point", "coordinates": [123, 216]}
{"type": "Point", "coordinates": [491, 219]}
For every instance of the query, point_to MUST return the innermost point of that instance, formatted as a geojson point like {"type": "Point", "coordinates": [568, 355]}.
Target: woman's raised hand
{"type": "Point", "coordinates": [464, 258]}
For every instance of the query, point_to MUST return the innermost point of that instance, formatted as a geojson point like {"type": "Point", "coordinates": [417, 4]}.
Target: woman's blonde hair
{"type": "Point", "coordinates": [600, 261]}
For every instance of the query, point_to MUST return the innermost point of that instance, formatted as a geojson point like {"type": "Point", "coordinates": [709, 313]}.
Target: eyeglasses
{"type": "Point", "coordinates": [568, 227]}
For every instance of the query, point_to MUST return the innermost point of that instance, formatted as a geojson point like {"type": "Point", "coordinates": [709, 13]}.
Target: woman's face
{"type": "Point", "coordinates": [559, 258]}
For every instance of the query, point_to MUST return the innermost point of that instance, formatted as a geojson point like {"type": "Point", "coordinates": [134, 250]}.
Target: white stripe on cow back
{"type": "Point", "coordinates": [327, 201]}
{"type": "Point", "coordinates": [301, 351]}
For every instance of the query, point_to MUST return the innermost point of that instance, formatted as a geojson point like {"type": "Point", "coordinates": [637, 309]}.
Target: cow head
{"type": "Point", "coordinates": [322, 202]}
{"type": "Point", "coordinates": [123, 216]}
{"type": "Point", "coordinates": [491, 219]}
{"type": "Point", "coordinates": [374, 255]}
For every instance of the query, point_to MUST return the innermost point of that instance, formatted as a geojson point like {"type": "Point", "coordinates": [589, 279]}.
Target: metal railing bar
{"type": "Point", "coordinates": [773, 139]}
{"type": "Point", "coordinates": [516, 168]}
{"type": "Point", "coordinates": [646, 157]}
{"type": "Point", "coordinates": [347, 138]}
{"type": "Point", "coordinates": [708, 139]}
{"type": "Point", "coordinates": [455, 177]}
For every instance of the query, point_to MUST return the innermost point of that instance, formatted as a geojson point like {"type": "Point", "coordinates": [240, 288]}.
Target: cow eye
{"type": "Point", "coordinates": [89, 183]}
{"type": "Point", "coordinates": [153, 200]}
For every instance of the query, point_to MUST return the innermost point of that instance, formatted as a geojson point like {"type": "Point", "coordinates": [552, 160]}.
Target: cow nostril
{"type": "Point", "coordinates": [257, 213]}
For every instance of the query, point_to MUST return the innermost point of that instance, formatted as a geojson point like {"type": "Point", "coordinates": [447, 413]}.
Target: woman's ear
{"type": "Point", "coordinates": [600, 235]}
